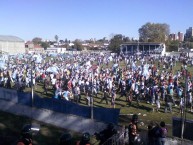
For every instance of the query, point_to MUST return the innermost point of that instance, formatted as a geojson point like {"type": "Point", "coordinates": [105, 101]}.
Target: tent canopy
{"type": "Point", "coordinates": [53, 69]}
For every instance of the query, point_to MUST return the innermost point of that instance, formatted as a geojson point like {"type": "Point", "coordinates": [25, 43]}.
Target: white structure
{"type": "Point", "coordinates": [11, 44]}
{"type": "Point", "coordinates": [55, 50]}
{"type": "Point", "coordinates": [143, 48]}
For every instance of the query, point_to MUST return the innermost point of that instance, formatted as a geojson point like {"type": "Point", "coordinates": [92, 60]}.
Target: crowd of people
{"type": "Point", "coordinates": [156, 80]}
{"type": "Point", "coordinates": [149, 79]}
{"type": "Point", "coordinates": [156, 135]}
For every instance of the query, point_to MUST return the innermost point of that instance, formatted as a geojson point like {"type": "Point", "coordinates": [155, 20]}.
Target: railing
{"type": "Point", "coordinates": [117, 139]}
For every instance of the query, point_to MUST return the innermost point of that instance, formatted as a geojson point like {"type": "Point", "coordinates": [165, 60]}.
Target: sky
{"type": "Point", "coordinates": [86, 19]}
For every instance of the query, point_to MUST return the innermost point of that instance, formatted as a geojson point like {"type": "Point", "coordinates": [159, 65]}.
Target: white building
{"type": "Point", "coordinates": [143, 48]}
{"type": "Point", "coordinates": [11, 44]}
{"type": "Point", "coordinates": [55, 50]}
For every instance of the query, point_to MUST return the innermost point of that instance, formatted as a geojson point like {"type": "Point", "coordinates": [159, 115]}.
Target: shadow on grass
{"type": "Point", "coordinates": [141, 107]}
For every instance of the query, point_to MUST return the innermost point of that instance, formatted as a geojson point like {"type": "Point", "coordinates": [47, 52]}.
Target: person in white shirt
{"type": "Point", "coordinates": [53, 81]}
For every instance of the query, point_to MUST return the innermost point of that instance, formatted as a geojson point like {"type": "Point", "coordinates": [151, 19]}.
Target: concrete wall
{"type": "Point", "coordinates": [70, 122]}
{"type": "Point", "coordinates": [12, 47]}
{"type": "Point", "coordinates": [177, 54]}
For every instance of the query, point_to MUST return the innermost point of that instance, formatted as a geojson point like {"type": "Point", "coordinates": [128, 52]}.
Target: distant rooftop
{"type": "Point", "coordinates": [10, 38]}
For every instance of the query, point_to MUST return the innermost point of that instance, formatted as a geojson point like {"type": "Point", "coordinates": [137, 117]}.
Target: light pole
{"type": "Point", "coordinates": [32, 92]}
{"type": "Point", "coordinates": [92, 98]}
{"type": "Point", "coordinates": [185, 106]}
{"type": "Point", "coordinates": [32, 88]}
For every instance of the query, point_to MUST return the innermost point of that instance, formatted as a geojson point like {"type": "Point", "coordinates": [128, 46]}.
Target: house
{"type": "Point", "coordinates": [33, 48]}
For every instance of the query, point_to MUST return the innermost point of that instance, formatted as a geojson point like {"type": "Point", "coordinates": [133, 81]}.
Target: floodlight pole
{"type": "Point", "coordinates": [91, 98]}
{"type": "Point", "coordinates": [184, 108]}
{"type": "Point", "coordinates": [32, 91]}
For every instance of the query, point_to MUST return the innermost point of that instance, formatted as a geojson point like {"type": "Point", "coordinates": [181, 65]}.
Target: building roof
{"type": "Point", "coordinates": [29, 42]}
{"type": "Point", "coordinates": [37, 46]}
{"type": "Point", "coordinates": [10, 38]}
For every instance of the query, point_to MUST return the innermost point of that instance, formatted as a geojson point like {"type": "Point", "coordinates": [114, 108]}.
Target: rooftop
{"type": "Point", "coordinates": [10, 38]}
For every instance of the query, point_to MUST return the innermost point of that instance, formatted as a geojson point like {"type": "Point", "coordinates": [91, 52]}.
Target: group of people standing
{"type": "Point", "coordinates": [147, 79]}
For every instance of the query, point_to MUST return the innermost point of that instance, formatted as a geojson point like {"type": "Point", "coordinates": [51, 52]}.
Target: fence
{"type": "Point", "coordinates": [122, 138]}
{"type": "Point", "coordinates": [61, 106]}
{"type": "Point", "coordinates": [177, 128]}
{"type": "Point", "coordinates": [117, 139]}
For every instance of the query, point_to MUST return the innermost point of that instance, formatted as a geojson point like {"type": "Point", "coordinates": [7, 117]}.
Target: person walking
{"type": "Point", "coordinates": [105, 96]}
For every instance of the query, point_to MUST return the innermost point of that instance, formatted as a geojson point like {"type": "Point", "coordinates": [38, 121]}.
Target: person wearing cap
{"type": "Point", "coordinates": [27, 132]}
{"type": "Point", "coordinates": [85, 139]}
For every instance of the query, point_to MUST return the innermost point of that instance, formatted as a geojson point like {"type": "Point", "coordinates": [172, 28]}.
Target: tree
{"type": "Point", "coordinates": [126, 39]}
{"type": "Point", "coordinates": [154, 32]}
{"type": "Point", "coordinates": [66, 40]}
{"type": "Point", "coordinates": [56, 38]}
{"type": "Point", "coordinates": [115, 43]}
{"type": "Point", "coordinates": [45, 45]}
{"type": "Point", "coordinates": [188, 45]}
{"type": "Point", "coordinates": [172, 45]}
{"type": "Point", "coordinates": [61, 41]}
{"type": "Point", "coordinates": [78, 44]}
{"type": "Point", "coordinates": [37, 40]}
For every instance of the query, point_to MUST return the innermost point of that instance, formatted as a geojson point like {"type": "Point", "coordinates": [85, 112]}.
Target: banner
{"type": "Point", "coordinates": [60, 105]}
{"type": "Point", "coordinates": [9, 95]}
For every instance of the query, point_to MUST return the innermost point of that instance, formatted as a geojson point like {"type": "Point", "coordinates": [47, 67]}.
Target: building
{"type": "Point", "coordinates": [33, 48]}
{"type": "Point", "coordinates": [55, 50]}
{"type": "Point", "coordinates": [173, 37]}
{"type": "Point", "coordinates": [142, 48]}
{"type": "Point", "coordinates": [189, 32]}
{"type": "Point", "coordinates": [180, 36]}
{"type": "Point", "coordinates": [11, 44]}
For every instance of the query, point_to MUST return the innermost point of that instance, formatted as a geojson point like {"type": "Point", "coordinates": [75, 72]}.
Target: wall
{"type": "Point", "coordinates": [70, 122]}
{"type": "Point", "coordinates": [12, 47]}
{"type": "Point", "coordinates": [177, 54]}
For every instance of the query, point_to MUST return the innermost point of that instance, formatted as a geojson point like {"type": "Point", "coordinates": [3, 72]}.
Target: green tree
{"type": "Point", "coordinates": [78, 44]}
{"type": "Point", "coordinates": [115, 43]}
{"type": "Point", "coordinates": [45, 45]}
{"type": "Point", "coordinates": [154, 32]}
{"type": "Point", "coordinates": [188, 44]}
{"type": "Point", "coordinates": [172, 45]}
{"type": "Point", "coordinates": [37, 40]}
{"type": "Point", "coordinates": [126, 39]}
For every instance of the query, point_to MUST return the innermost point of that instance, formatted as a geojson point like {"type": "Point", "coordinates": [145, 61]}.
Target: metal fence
{"type": "Point", "coordinates": [117, 139]}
